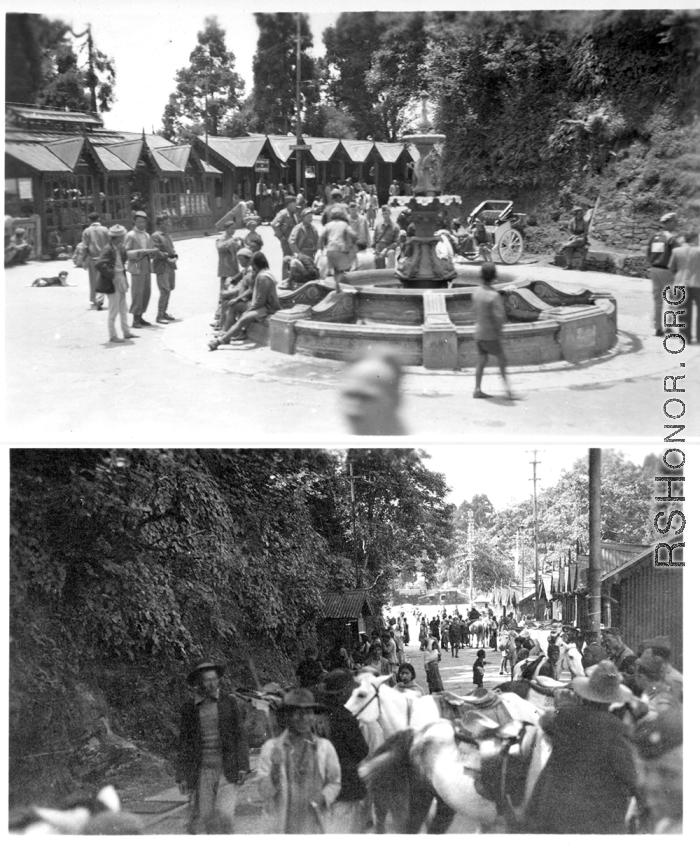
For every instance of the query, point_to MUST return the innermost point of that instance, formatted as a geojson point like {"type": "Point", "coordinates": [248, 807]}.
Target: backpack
{"type": "Point", "coordinates": [660, 247]}
{"type": "Point", "coordinates": [79, 255]}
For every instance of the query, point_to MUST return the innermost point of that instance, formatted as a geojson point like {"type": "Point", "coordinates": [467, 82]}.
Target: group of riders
{"type": "Point", "coordinates": [455, 631]}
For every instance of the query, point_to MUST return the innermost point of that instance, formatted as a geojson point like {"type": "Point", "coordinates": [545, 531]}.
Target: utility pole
{"type": "Point", "coordinates": [522, 564]}
{"type": "Point", "coordinates": [299, 152]}
{"type": "Point", "coordinates": [595, 547]}
{"type": "Point", "coordinates": [535, 480]}
{"type": "Point", "coordinates": [470, 555]}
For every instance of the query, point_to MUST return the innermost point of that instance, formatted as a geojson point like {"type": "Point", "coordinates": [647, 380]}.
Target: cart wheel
{"type": "Point", "coordinates": [510, 246]}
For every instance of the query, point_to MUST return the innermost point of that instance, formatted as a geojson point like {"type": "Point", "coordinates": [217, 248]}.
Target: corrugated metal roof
{"type": "Point", "coordinates": [208, 168]}
{"type": "Point", "coordinates": [358, 149]}
{"type": "Point", "coordinates": [351, 604]}
{"type": "Point", "coordinates": [38, 113]}
{"type": "Point", "coordinates": [110, 162]}
{"type": "Point", "coordinates": [630, 563]}
{"type": "Point", "coordinates": [128, 151]}
{"type": "Point", "coordinates": [67, 150]}
{"type": "Point", "coordinates": [36, 157]}
{"type": "Point", "coordinates": [178, 154]}
{"type": "Point", "coordinates": [241, 152]}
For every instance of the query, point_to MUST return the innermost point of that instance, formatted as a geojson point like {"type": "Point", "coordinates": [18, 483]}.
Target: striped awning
{"type": "Point", "coordinates": [37, 157]}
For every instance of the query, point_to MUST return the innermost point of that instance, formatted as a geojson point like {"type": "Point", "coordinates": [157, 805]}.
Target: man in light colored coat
{"type": "Point", "coordinates": [298, 772]}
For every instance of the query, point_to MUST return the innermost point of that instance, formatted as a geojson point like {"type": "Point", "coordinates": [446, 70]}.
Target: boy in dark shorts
{"type": "Point", "coordinates": [489, 316]}
{"type": "Point", "coordinates": [478, 669]}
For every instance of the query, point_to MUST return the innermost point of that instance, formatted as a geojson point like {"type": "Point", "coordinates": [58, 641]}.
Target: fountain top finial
{"type": "Point", "coordinates": [425, 124]}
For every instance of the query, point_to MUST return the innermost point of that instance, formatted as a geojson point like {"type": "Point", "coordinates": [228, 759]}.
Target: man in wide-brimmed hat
{"type": "Point", "coordinates": [212, 752]}
{"type": "Point", "coordinates": [590, 777]}
{"type": "Point", "coordinates": [299, 772]}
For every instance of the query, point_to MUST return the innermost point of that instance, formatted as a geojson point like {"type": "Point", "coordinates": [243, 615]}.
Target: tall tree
{"type": "Point", "coordinates": [208, 90]}
{"type": "Point", "coordinates": [397, 75]}
{"type": "Point", "coordinates": [403, 522]}
{"type": "Point", "coordinates": [56, 68]}
{"type": "Point", "coordinates": [350, 45]}
{"type": "Point", "coordinates": [374, 63]}
{"type": "Point", "coordinates": [275, 71]}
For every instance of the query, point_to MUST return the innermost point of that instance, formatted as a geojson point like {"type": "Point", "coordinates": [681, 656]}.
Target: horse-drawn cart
{"type": "Point", "coordinates": [493, 233]}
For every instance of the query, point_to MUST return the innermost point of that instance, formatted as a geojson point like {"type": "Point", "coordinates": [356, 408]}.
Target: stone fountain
{"type": "Point", "coordinates": [423, 310]}
{"type": "Point", "coordinates": [421, 266]}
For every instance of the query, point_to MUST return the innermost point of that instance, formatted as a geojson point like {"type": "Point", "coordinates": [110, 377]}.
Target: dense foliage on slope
{"type": "Point", "coordinates": [128, 566]}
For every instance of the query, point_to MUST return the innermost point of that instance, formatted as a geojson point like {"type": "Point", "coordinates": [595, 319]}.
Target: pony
{"type": "Point", "coordinates": [443, 761]}
{"type": "Point", "coordinates": [506, 642]}
{"type": "Point", "coordinates": [477, 632]}
{"type": "Point", "coordinates": [413, 776]}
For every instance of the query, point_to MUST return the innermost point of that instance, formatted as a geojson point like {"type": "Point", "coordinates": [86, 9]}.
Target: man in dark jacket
{"type": "Point", "coordinates": [349, 814]}
{"type": "Point", "coordinates": [212, 754]}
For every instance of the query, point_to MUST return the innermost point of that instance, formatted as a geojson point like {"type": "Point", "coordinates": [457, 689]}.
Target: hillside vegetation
{"type": "Point", "coordinates": [128, 567]}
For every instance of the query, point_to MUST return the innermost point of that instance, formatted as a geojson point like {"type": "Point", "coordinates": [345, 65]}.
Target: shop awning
{"type": "Point", "coordinates": [37, 157]}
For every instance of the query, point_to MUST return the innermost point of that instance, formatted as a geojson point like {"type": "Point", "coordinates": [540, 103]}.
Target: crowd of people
{"type": "Point", "coordinates": [615, 742]}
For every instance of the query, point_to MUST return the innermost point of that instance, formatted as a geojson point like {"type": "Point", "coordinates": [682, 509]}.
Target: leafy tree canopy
{"type": "Point", "coordinates": [275, 71]}
{"type": "Point", "coordinates": [208, 90]}
{"type": "Point", "coordinates": [49, 65]}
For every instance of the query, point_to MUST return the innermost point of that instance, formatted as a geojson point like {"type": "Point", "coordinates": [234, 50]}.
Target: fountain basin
{"type": "Point", "coordinates": [434, 328]}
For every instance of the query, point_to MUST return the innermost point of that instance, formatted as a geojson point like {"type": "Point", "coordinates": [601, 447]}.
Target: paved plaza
{"type": "Point", "coordinates": [66, 383]}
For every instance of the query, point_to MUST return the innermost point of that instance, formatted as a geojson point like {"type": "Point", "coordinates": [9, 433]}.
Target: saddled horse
{"type": "Point", "coordinates": [403, 718]}
{"type": "Point", "coordinates": [506, 642]}
{"type": "Point", "coordinates": [477, 633]}
{"type": "Point", "coordinates": [442, 760]}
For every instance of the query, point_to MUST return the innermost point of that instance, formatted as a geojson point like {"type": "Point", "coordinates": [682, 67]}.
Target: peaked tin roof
{"type": "Point", "coordinates": [241, 152]}
{"type": "Point", "coordinates": [110, 162]}
{"type": "Point", "coordinates": [36, 157]}
{"type": "Point", "coordinates": [352, 604]}
{"type": "Point", "coordinates": [68, 150]}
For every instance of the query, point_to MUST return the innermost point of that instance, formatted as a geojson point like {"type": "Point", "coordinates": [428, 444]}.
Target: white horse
{"type": "Point", "coordinates": [373, 701]}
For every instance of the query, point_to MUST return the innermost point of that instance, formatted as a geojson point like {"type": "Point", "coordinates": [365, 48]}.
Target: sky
{"type": "Point", "coordinates": [150, 41]}
{"type": "Point", "coordinates": [504, 472]}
